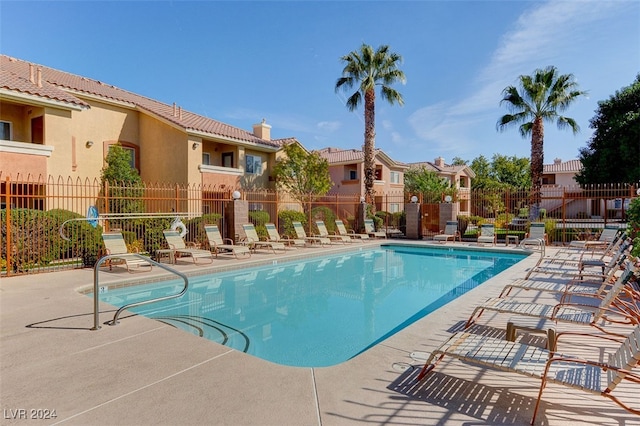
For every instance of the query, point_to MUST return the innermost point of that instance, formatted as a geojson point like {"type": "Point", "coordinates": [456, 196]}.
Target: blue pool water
{"type": "Point", "coordinates": [320, 311]}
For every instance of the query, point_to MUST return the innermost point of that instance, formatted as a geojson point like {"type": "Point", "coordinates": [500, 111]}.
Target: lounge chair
{"type": "Point", "coordinates": [274, 236]}
{"type": "Point", "coordinates": [302, 234]}
{"type": "Point", "coordinates": [487, 234]}
{"type": "Point", "coordinates": [550, 367]}
{"type": "Point", "coordinates": [370, 229]}
{"type": "Point", "coordinates": [536, 238]}
{"type": "Point", "coordinates": [450, 232]}
{"type": "Point", "coordinates": [254, 242]}
{"type": "Point", "coordinates": [219, 244]}
{"type": "Point", "coordinates": [323, 232]}
{"type": "Point", "coordinates": [569, 312]}
{"type": "Point", "coordinates": [115, 245]}
{"type": "Point", "coordinates": [180, 248]}
{"type": "Point", "coordinates": [342, 230]}
{"type": "Point", "coordinates": [595, 285]}
{"type": "Point", "coordinates": [607, 235]}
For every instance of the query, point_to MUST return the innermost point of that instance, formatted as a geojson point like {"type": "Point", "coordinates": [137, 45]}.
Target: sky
{"type": "Point", "coordinates": [243, 61]}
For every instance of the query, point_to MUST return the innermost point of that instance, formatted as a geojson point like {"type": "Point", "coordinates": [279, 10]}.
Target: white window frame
{"type": "Point", "coordinates": [132, 156]}
{"type": "Point", "coordinates": [206, 158]}
{"type": "Point", "coordinates": [394, 177]}
{"type": "Point", "coordinates": [394, 208]}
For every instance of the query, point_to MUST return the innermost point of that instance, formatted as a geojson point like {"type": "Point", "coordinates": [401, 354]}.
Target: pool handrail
{"type": "Point", "coordinates": [96, 289]}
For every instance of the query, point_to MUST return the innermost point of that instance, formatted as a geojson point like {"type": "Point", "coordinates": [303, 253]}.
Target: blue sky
{"type": "Point", "coordinates": [242, 61]}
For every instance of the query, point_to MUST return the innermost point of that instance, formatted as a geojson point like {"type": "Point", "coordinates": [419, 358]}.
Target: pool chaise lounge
{"type": "Point", "coordinates": [487, 234]}
{"type": "Point", "coordinates": [302, 234]}
{"type": "Point", "coordinates": [115, 245]}
{"type": "Point", "coordinates": [587, 375]}
{"type": "Point", "coordinates": [323, 232]}
{"type": "Point", "coordinates": [274, 236]}
{"type": "Point", "coordinates": [450, 232]}
{"type": "Point", "coordinates": [180, 248]}
{"type": "Point", "coordinates": [342, 230]}
{"type": "Point", "coordinates": [254, 242]}
{"type": "Point", "coordinates": [370, 229]}
{"type": "Point", "coordinates": [220, 245]}
{"type": "Point", "coordinates": [610, 305]}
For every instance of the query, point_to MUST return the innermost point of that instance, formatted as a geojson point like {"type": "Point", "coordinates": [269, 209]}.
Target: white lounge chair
{"type": "Point", "coordinates": [180, 248]}
{"type": "Point", "coordinates": [115, 245]}
{"type": "Point", "coordinates": [302, 234]}
{"type": "Point", "coordinates": [575, 313]}
{"type": "Point", "coordinates": [487, 234]}
{"type": "Point", "coordinates": [323, 232]}
{"type": "Point", "coordinates": [370, 229]}
{"type": "Point", "coordinates": [255, 243]}
{"type": "Point", "coordinates": [342, 230]}
{"type": "Point", "coordinates": [450, 232]}
{"type": "Point", "coordinates": [219, 244]}
{"type": "Point", "coordinates": [607, 235]}
{"type": "Point", "coordinates": [536, 238]}
{"type": "Point", "coordinates": [274, 236]}
{"type": "Point", "coordinates": [593, 376]}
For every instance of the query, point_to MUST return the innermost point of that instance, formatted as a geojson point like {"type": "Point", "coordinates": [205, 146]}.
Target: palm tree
{"type": "Point", "coordinates": [366, 69]}
{"type": "Point", "coordinates": [542, 96]}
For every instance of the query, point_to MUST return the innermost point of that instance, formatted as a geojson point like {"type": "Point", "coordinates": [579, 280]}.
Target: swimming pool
{"type": "Point", "coordinates": [319, 311]}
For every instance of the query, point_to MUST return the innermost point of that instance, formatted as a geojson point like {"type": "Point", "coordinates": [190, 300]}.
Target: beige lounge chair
{"type": "Point", "coordinates": [254, 242]}
{"type": "Point", "coordinates": [574, 313]}
{"type": "Point", "coordinates": [323, 232]}
{"type": "Point", "coordinates": [600, 378]}
{"type": "Point", "coordinates": [370, 229]}
{"type": "Point", "coordinates": [277, 238]}
{"type": "Point", "coordinates": [450, 232]}
{"type": "Point", "coordinates": [342, 230]}
{"type": "Point", "coordinates": [180, 248]}
{"type": "Point", "coordinates": [219, 244]}
{"type": "Point", "coordinates": [607, 235]}
{"type": "Point", "coordinates": [115, 245]}
{"type": "Point", "coordinates": [487, 234]}
{"type": "Point", "coordinates": [302, 234]}
{"type": "Point", "coordinates": [536, 238]}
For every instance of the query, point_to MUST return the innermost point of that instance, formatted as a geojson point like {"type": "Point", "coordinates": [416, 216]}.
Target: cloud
{"type": "Point", "coordinates": [329, 126]}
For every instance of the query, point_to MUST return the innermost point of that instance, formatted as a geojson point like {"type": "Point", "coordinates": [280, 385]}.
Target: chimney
{"type": "Point", "coordinates": [262, 130]}
{"type": "Point", "coordinates": [39, 79]}
{"type": "Point", "coordinates": [180, 112]}
{"type": "Point", "coordinates": [174, 109]}
{"type": "Point", "coordinates": [32, 76]}
{"type": "Point", "coordinates": [557, 161]}
{"type": "Point", "coordinates": [439, 162]}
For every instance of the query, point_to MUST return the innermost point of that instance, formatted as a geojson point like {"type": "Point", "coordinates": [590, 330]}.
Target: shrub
{"type": "Point", "coordinates": [285, 219]}
{"type": "Point", "coordinates": [259, 218]}
{"type": "Point", "coordinates": [463, 224]}
{"type": "Point", "coordinates": [327, 215]}
{"type": "Point", "coordinates": [196, 226]}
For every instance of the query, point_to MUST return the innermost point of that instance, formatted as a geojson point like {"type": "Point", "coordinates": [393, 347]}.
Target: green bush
{"type": "Point", "coordinates": [327, 215]}
{"type": "Point", "coordinates": [285, 219]}
{"type": "Point", "coordinates": [463, 224]}
{"type": "Point", "coordinates": [196, 225]}
{"type": "Point", "coordinates": [633, 227]}
{"type": "Point", "coordinates": [259, 218]}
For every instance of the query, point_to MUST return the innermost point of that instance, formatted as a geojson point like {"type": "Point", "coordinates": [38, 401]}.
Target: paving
{"type": "Point", "coordinates": [56, 370]}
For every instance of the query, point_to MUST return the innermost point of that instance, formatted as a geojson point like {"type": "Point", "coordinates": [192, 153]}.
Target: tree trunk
{"type": "Point", "coordinates": [369, 146]}
{"type": "Point", "coordinates": [537, 160]}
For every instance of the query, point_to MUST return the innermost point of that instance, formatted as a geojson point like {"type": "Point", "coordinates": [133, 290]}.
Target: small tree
{"type": "Point", "coordinates": [302, 174]}
{"type": "Point", "coordinates": [121, 183]}
{"type": "Point", "coordinates": [427, 182]}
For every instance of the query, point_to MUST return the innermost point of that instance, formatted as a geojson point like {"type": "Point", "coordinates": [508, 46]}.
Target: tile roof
{"type": "Point", "coordinates": [15, 75]}
{"type": "Point", "coordinates": [558, 166]}
{"type": "Point", "coordinates": [445, 168]}
{"type": "Point", "coordinates": [346, 156]}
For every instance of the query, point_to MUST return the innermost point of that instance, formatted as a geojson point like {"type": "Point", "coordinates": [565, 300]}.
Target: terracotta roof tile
{"type": "Point", "coordinates": [570, 166]}
{"type": "Point", "coordinates": [59, 85]}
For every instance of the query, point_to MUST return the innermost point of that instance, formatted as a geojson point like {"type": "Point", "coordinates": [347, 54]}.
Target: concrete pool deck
{"type": "Point", "coordinates": [143, 372]}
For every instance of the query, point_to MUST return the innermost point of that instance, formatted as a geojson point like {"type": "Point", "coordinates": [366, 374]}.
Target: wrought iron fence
{"type": "Point", "coordinates": [56, 223]}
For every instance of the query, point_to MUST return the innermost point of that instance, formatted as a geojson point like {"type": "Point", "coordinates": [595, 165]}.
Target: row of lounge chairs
{"type": "Point", "coordinates": [616, 300]}
{"type": "Point", "coordinates": [177, 247]}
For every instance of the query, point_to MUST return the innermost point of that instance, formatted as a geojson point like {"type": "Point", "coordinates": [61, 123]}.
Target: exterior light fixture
{"type": "Point", "coordinates": [235, 195]}
{"type": "Point", "coordinates": [195, 146]}
{"type": "Point", "coordinates": [414, 199]}
{"type": "Point", "coordinates": [362, 200]}
{"type": "Point", "coordinates": [448, 198]}
{"type": "Point", "coordinates": [89, 144]}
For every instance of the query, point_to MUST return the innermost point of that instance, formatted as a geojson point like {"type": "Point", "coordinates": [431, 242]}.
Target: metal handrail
{"type": "Point", "coordinates": [96, 295]}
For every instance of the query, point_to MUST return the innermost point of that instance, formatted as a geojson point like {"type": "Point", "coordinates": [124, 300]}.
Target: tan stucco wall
{"type": "Point", "coordinates": [164, 152]}
{"type": "Point", "coordinates": [23, 166]}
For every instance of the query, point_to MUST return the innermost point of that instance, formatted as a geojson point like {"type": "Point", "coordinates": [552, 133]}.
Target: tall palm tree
{"type": "Point", "coordinates": [541, 97]}
{"type": "Point", "coordinates": [366, 69]}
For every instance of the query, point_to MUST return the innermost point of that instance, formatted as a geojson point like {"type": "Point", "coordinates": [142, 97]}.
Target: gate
{"type": "Point", "coordinates": [430, 219]}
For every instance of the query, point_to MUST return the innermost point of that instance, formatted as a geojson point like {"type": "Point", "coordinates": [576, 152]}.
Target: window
{"type": "Point", "coordinates": [378, 175]}
{"type": "Point", "coordinates": [353, 175]}
{"type": "Point", "coordinates": [395, 177]}
{"type": "Point", "coordinates": [5, 130]}
{"type": "Point", "coordinates": [132, 156]}
{"type": "Point", "coordinates": [394, 208]}
{"type": "Point", "coordinates": [227, 159]}
{"type": "Point", "coordinates": [206, 158]}
{"type": "Point", "coordinates": [254, 165]}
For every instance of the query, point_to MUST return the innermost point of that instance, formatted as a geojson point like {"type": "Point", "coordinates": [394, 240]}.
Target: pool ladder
{"type": "Point", "coordinates": [96, 289]}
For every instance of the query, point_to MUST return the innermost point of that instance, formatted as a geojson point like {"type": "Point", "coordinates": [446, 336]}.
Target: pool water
{"type": "Point", "coordinates": [320, 311]}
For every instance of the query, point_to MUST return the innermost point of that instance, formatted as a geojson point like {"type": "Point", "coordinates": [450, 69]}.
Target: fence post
{"type": "Point", "coordinates": [8, 224]}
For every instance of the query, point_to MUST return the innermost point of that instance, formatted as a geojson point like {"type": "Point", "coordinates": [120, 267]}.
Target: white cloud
{"type": "Point", "coordinates": [329, 126]}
